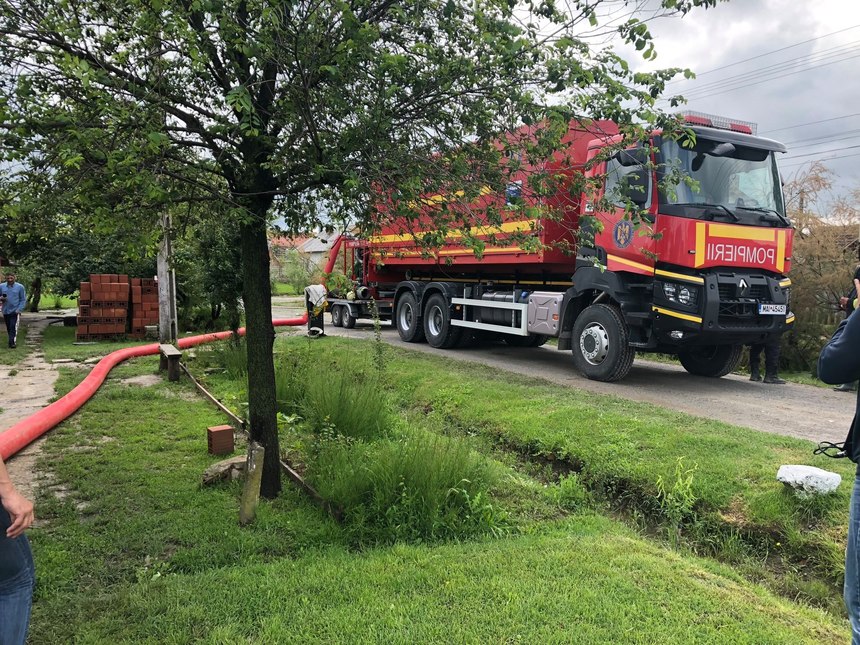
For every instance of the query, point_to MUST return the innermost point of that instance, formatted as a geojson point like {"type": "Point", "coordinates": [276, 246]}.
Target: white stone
{"type": "Point", "coordinates": [808, 480]}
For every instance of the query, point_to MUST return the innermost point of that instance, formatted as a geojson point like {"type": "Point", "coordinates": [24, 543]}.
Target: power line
{"type": "Point", "coordinates": [731, 85]}
{"type": "Point", "coordinates": [822, 152]}
{"type": "Point", "coordinates": [846, 134]}
{"type": "Point", "coordinates": [800, 163]}
{"type": "Point", "coordinates": [775, 51]}
{"type": "Point", "coordinates": [801, 125]}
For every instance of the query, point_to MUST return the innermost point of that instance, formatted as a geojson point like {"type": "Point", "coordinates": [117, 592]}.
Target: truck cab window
{"type": "Point", "coordinates": [619, 184]}
{"type": "Point", "coordinates": [735, 178]}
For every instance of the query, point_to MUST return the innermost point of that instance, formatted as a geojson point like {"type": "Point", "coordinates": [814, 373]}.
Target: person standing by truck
{"type": "Point", "coordinates": [14, 299]}
{"type": "Point", "coordinates": [839, 362]}
{"type": "Point", "coordinates": [771, 362]}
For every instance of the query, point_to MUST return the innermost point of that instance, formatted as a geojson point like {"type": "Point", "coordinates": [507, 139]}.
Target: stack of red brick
{"type": "Point", "coordinates": [144, 305]}
{"type": "Point", "coordinates": [103, 307]}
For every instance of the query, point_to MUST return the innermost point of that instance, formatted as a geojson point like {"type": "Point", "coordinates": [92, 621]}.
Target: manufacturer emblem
{"type": "Point", "coordinates": [742, 286]}
{"type": "Point", "coordinates": [622, 233]}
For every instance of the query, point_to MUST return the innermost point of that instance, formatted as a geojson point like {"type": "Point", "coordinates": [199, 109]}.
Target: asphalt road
{"type": "Point", "coordinates": [803, 411]}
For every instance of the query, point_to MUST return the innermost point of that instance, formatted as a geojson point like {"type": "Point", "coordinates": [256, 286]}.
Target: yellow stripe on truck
{"type": "Point", "coordinates": [507, 227]}
{"type": "Point", "coordinates": [676, 314]}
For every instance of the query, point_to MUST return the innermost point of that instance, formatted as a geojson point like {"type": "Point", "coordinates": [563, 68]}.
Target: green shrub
{"type": "Point", "coordinates": [344, 396]}
{"type": "Point", "coordinates": [570, 494]}
{"type": "Point", "coordinates": [421, 487]}
{"type": "Point", "coordinates": [233, 357]}
{"type": "Point", "coordinates": [294, 365]}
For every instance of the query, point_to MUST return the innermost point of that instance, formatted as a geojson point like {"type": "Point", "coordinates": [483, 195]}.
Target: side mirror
{"type": "Point", "coordinates": [636, 187]}
{"type": "Point", "coordinates": [633, 157]}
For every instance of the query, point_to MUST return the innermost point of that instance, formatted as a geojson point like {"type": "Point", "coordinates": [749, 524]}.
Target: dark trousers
{"type": "Point", "coordinates": [11, 326]}
{"type": "Point", "coordinates": [17, 579]}
{"type": "Point", "coordinates": [771, 356]}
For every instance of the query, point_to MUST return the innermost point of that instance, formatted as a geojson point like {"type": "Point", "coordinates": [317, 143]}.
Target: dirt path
{"type": "Point", "coordinates": [28, 387]}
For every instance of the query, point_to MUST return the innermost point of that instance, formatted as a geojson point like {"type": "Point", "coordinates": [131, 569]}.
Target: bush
{"type": "Point", "coordinates": [344, 396]}
{"type": "Point", "coordinates": [422, 487]}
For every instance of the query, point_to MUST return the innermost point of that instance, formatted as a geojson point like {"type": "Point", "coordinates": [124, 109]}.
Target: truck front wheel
{"type": "Point", "coordinates": [711, 360]}
{"type": "Point", "coordinates": [408, 322]}
{"type": "Point", "coordinates": [600, 344]}
{"type": "Point", "coordinates": [438, 329]}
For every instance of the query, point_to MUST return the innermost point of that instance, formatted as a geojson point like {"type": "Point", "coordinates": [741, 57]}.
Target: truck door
{"type": "Point", "coordinates": [624, 235]}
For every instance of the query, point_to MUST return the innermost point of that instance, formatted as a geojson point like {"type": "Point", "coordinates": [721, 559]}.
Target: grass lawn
{"type": "Point", "coordinates": [59, 342]}
{"type": "Point", "coordinates": [132, 549]}
{"type": "Point", "coordinates": [12, 356]}
{"type": "Point", "coordinates": [283, 289]}
{"type": "Point", "coordinates": [50, 301]}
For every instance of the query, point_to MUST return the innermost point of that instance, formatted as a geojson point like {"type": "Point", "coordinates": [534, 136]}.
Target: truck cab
{"type": "Point", "coordinates": [704, 272]}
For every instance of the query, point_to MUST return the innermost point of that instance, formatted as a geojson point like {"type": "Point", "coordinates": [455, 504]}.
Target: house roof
{"type": "Point", "coordinates": [284, 242]}
{"type": "Point", "coordinates": [317, 245]}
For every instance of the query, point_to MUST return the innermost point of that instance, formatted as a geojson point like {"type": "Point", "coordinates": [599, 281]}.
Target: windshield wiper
{"type": "Point", "coordinates": [769, 211]}
{"type": "Point", "coordinates": [717, 206]}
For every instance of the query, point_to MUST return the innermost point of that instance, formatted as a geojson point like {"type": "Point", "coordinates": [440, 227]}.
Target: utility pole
{"type": "Point", "coordinates": [168, 328]}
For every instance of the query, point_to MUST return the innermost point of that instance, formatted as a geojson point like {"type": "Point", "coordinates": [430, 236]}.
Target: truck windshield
{"type": "Point", "coordinates": [726, 178]}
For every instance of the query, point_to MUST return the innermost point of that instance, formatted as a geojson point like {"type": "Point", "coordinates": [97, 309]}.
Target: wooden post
{"type": "Point", "coordinates": [251, 487]}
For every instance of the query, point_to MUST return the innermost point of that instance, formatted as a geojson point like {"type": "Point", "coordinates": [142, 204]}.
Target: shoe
{"type": "Point", "coordinates": [845, 387]}
{"type": "Point", "coordinates": [12, 346]}
{"type": "Point", "coordinates": [755, 376]}
{"type": "Point", "coordinates": [773, 379]}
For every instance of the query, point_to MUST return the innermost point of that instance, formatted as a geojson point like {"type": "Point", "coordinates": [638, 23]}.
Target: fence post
{"type": "Point", "coordinates": [251, 487]}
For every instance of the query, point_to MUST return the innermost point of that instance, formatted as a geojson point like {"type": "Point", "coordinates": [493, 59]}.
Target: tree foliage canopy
{"type": "Point", "coordinates": [273, 108]}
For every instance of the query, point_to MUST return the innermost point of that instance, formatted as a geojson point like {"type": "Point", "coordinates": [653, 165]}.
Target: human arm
{"type": "Point", "coordinates": [22, 302]}
{"type": "Point", "coordinates": [20, 508]}
{"type": "Point", "coordinates": [839, 361]}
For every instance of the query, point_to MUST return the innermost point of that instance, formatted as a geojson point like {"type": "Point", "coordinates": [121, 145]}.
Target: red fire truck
{"type": "Point", "coordinates": [711, 276]}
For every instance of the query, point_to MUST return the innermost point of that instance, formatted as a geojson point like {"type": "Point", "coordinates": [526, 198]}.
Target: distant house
{"type": "Point", "coordinates": [312, 252]}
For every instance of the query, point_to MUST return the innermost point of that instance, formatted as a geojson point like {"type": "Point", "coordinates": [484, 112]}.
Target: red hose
{"type": "Point", "coordinates": [24, 432]}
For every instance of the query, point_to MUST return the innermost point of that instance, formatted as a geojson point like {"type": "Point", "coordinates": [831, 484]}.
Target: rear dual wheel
{"type": "Point", "coordinates": [341, 317]}
{"type": "Point", "coordinates": [438, 330]}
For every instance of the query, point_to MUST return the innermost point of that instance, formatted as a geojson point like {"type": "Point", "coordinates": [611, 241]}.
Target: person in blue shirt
{"type": "Point", "coordinates": [14, 298]}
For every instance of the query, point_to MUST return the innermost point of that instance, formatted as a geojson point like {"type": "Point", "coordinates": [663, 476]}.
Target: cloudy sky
{"type": "Point", "coordinates": [792, 67]}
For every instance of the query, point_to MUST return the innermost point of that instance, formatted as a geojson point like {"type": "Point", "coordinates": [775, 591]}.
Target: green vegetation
{"type": "Point", "coordinates": [477, 512]}
{"type": "Point", "coordinates": [57, 342]}
{"type": "Point", "coordinates": [13, 356]}
{"type": "Point", "coordinates": [55, 301]}
{"type": "Point", "coordinates": [283, 289]}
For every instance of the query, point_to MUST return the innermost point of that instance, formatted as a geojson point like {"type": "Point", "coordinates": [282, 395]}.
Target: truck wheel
{"type": "Point", "coordinates": [532, 340]}
{"type": "Point", "coordinates": [337, 316]}
{"type": "Point", "coordinates": [438, 329]}
{"type": "Point", "coordinates": [347, 318]}
{"type": "Point", "coordinates": [711, 360]}
{"type": "Point", "coordinates": [600, 344]}
{"type": "Point", "coordinates": [409, 323]}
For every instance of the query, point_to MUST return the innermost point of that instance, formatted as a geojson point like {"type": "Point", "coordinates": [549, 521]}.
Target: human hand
{"type": "Point", "coordinates": [856, 290]}
{"type": "Point", "coordinates": [20, 510]}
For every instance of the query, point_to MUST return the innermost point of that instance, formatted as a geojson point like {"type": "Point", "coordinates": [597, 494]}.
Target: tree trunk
{"type": "Point", "coordinates": [35, 295]}
{"type": "Point", "coordinates": [260, 337]}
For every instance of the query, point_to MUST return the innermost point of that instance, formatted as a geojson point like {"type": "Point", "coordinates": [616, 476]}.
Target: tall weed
{"type": "Point", "coordinates": [422, 487]}
{"type": "Point", "coordinates": [233, 357]}
{"type": "Point", "coordinates": [351, 400]}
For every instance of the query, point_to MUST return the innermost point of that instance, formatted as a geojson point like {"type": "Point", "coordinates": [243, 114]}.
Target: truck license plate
{"type": "Point", "coordinates": [771, 310]}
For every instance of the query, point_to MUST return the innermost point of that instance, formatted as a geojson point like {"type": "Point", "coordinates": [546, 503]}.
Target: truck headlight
{"type": "Point", "coordinates": [681, 294]}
